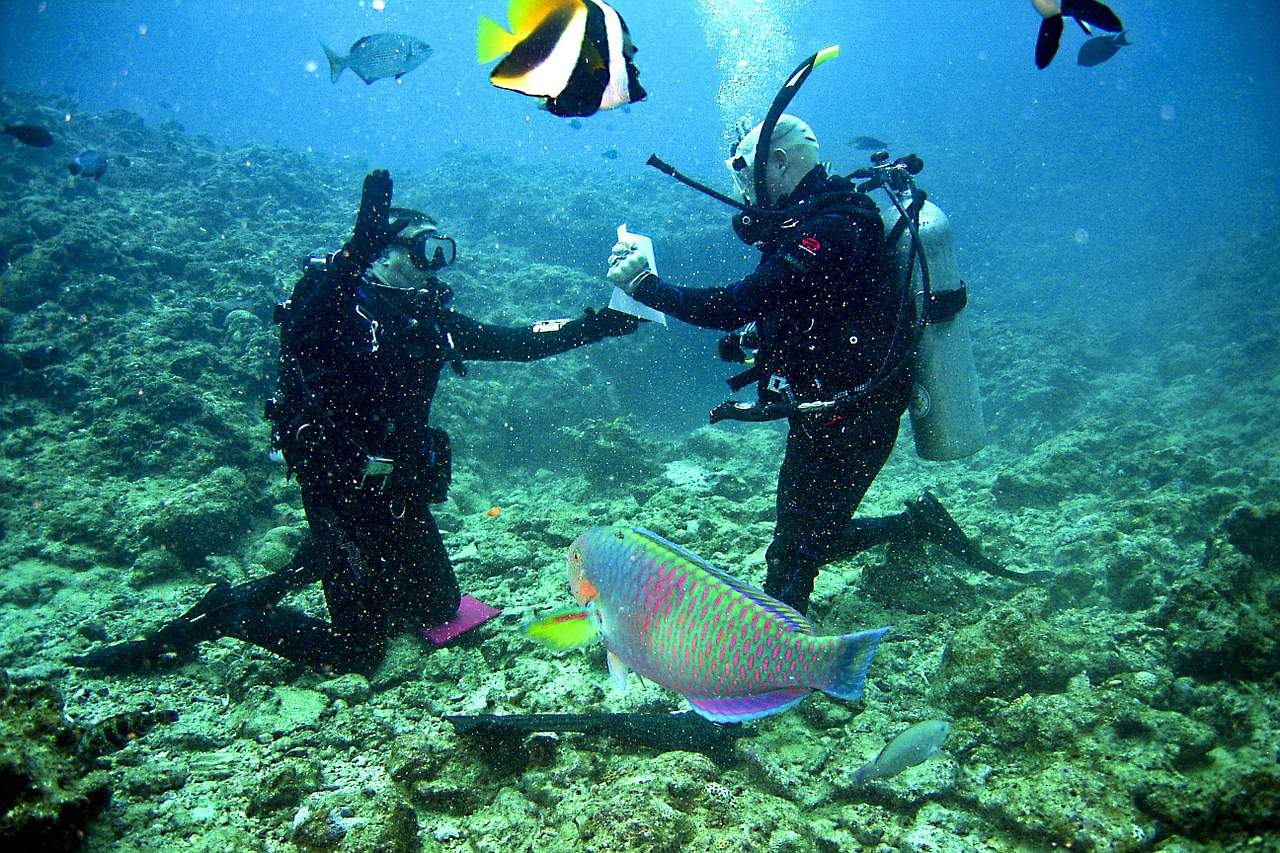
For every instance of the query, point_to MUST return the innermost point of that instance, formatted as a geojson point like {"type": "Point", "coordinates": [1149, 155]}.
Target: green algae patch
{"type": "Point", "coordinates": [48, 792]}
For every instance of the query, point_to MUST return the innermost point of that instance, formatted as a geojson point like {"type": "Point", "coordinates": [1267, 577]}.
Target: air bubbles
{"type": "Point", "coordinates": [1168, 113]}
{"type": "Point", "coordinates": [1081, 236]}
{"type": "Point", "coordinates": [142, 29]}
{"type": "Point", "coordinates": [379, 5]}
{"type": "Point", "coordinates": [311, 66]}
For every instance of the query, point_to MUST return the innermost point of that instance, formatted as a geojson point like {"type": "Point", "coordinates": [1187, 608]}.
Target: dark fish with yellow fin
{"type": "Point", "coordinates": [575, 55]}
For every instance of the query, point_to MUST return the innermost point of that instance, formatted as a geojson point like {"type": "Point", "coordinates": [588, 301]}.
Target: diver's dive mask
{"type": "Point", "coordinates": [421, 241]}
{"type": "Point", "coordinates": [740, 169]}
{"type": "Point", "coordinates": [428, 251]}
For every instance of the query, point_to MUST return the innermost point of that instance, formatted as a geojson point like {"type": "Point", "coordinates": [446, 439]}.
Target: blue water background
{"type": "Point", "coordinates": [1092, 182]}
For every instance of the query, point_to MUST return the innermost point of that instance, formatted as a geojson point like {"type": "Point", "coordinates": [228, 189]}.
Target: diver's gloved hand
{"type": "Point", "coordinates": [607, 323]}
{"type": "Point", "coordinates": [628, 266]}
{"type": "Point", "coordinates": [374, 230]}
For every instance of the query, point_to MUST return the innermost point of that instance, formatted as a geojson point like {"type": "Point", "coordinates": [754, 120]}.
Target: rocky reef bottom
{"type": "Point", "coordinates": [1129, 701]}
{"type": "Point", "coordinates": [49, 789]}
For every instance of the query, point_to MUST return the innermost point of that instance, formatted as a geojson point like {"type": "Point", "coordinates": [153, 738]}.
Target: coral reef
{"type": "Point", "coordinates": [1127, 704]}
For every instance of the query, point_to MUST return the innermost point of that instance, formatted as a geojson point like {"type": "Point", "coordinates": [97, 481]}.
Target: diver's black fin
{"type": "Point", "coordinates": [1092, 12]}
{"type": "Point", "coordinates": [934, 523]}
{"type": "Point", "coordinates": [1047, 41]}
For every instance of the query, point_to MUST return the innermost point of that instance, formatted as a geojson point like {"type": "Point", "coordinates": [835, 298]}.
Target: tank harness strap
{"type": "Point", "coordinates": [946, 305]}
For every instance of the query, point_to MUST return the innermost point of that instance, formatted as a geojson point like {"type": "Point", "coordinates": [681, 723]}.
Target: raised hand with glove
{"type": "Point", "coordinates": [374, 229]}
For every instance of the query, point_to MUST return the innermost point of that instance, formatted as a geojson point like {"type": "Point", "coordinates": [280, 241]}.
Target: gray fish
{"type": "Point", "coordinates": [610, 154]}
{"type": "Point", "coordinates": [1099, 49]}
{"type": "Point", "coordinates": [379, 56]}
{"type": "Point", "coordinates": [868, 143]}
{"type": "Point", "coordinates": [919, 742]}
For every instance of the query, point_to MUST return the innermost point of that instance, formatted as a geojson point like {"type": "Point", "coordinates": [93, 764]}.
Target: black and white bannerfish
{"type": "Point", "coordinates": [1085, 12]}
{"type": "Point", "coordinates": [379, 56]}
{"type": "Point", "coordinates": [573, 54]}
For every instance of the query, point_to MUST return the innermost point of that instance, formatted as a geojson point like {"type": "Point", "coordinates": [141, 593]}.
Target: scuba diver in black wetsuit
{"type": "Point", "coordinates": [829, 323]}
{"type": "Point", "coordinates": [363, 339]}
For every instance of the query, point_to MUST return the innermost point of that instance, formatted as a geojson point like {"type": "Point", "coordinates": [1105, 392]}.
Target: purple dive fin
{"type": "Point", "coordinates": [740, 709]}
{"type": "Point", "coordinates": [472, 613]}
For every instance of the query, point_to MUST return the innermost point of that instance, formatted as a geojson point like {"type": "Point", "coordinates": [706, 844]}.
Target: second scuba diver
{"type": "Point", "coordinates": [363, 339]}
{"type": "Point", "coordinates": [829, 321]}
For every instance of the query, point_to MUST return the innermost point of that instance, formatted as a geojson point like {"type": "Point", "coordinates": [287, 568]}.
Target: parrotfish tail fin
{"type": "Point", "coordinates": [492, 40]}
{"type": "Point", "coordinates": [853, 657]}
{"type": "Point", "coordinates": [1093, 12]}
{"type": "Point", "coordinates": [337, 64]}
{"type": "Point", "coordinates": [564, 629]}
{"type": "Point", "coordinates": [1123, 39]}
{"type": "Point", "coordinates": [742, 709]}
{"type": "Point", "coordinates": [1047, 41]}
{"type": "Point", "coordinates": [863, 773]}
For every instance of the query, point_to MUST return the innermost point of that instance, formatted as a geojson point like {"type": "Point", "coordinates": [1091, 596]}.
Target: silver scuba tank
{"type": "Point", "coordinates": [946, 409]}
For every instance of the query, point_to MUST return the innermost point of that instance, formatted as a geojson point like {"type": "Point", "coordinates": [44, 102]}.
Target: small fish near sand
{"type": "Point", "coordinates": [911, 747]}
{"type": "Point", "coordinates": [868, 143]}
{"type": "Point", "coordinates": [736, 653]}
{"type": "Point", "coordinates": [30, 134]}
{"type": "Point", "coordinates": [1085, 13]}
{"type": "Point", "coordinates": [378, 56]}
{"type": "Point", "coordinates": [88, 164]}
{"type": "Point", "coordinates": [1099, 49]}
{"type": "Point", "coordinates": [574, 55]}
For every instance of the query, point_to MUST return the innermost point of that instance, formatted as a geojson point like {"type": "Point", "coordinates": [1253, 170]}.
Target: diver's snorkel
{"type": "Point", "coordinates": [748, 222]}
{"type": "Point", "coordinates": [780, 103]}
{"type": "Point", "coordinates": [667, 169]}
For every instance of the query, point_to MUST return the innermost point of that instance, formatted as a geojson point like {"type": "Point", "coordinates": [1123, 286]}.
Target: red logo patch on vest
{"type": "Point", "coordinates": [811, 245]}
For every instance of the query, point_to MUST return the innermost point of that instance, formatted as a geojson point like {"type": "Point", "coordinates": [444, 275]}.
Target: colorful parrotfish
{"type": "Point", "coordinates": [735, 653]}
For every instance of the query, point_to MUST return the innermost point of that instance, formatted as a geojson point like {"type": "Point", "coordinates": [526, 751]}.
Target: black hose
{"type": "Point", "coordinates": [667, 169]}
